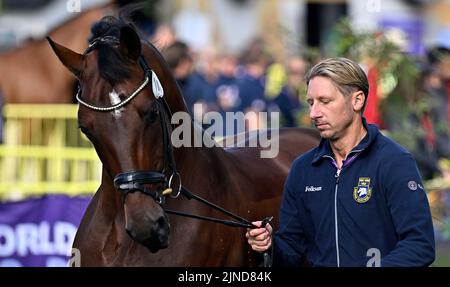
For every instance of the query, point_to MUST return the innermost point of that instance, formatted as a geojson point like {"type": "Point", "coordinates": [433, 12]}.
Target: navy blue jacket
{"type": "Point", "coordinates": [375, 205]}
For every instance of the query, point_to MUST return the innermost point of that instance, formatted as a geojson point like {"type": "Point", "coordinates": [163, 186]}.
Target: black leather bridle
{"type": "Point", "coordinates": [132, 181]}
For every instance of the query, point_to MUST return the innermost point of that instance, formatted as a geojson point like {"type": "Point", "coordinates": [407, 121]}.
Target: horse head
{"type": "Point", "coordinates": [124, 113]}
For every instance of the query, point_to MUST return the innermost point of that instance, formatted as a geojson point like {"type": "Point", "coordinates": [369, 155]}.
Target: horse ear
{"type": "Point", "coordinates": [130, 43]}
{"type": "Point", "coordinates": [72, 60]}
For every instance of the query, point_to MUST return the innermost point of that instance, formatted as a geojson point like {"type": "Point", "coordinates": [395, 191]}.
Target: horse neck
{"type": "Point", "coordinates": [38, 68]}
{"type": "Point", "coordinates": [37, 57]}
{"type": "Point", "coordinates": [2, 72]}
{"type": "Point", "coordinates": [202, 157]}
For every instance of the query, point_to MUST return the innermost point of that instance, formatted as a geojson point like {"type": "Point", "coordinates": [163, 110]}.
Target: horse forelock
{"type": "Point", "coordinates": [112, 65]}
{"type": "Point", "coordinates": [115, 67]}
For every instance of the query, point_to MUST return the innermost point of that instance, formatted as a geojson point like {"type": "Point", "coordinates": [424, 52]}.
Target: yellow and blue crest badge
{"type": "Point", "coordinates": [362, 192]}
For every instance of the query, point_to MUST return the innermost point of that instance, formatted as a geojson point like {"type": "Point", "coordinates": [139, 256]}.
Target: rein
{"type": "Point", "coordinates": [132, 181]}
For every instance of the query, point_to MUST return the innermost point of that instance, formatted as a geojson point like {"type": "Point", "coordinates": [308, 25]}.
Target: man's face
{"type": "Point", "coordinates": [330, 111]}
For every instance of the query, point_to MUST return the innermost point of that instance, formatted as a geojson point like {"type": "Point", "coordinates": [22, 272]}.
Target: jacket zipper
{"type": "Point", "coordinates": [338, 173]}
{"type": "Point", "coordinates": [336, 176]}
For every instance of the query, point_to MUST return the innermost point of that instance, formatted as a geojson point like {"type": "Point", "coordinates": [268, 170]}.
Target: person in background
{"type": "Point", "coordinates": [163, 37]}
{"type": "Point", "coordinates": [289, 99]}
{"type": "Point", "coordinates": [251, 84]}
{"type": "Point", "coordinates": [193, 87]}
{"type": "Point", "coordinates": [225, 89]}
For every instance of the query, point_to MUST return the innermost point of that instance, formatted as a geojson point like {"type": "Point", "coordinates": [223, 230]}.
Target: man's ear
{"type": "Point", "coordinates": [130, 43]}
{"type": "Point", "coordinates": [72, 60]}
{"type": "Point", "coordinates": [358, 99]}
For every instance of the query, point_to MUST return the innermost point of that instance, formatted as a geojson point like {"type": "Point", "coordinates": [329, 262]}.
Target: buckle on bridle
{"type": "Point", "coordinates": [179, 184]}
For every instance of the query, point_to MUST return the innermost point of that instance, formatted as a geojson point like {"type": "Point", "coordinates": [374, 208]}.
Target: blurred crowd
{"type": "Point", "coordinates": [249, 82]}
{"type": "Point", "coordinates": [253, 81]}
{"type": "Point", "coordinates": [434, 145]}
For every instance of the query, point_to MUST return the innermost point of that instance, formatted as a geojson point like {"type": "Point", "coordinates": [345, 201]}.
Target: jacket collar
{"type": "Point", "coordinates": [324, 148]}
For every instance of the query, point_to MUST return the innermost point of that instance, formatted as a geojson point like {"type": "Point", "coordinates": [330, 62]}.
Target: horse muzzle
{"type": "Point", "coordinates": [149, 227]}
{"type": "Point", "coordinates": [153, 235]}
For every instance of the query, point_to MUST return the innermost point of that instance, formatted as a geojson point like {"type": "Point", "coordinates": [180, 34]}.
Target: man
{"type": "Point", "coordinates": [355, 200]}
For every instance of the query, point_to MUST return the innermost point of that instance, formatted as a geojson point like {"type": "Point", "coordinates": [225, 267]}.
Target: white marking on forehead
{"type": "Point", "coordinates": [115, 99]}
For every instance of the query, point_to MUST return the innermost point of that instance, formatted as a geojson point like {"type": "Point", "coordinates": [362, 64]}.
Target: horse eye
{"type": "Point", "coordinates": [84, 130]}
{"type": "Point", "coordinates": [153, 114]}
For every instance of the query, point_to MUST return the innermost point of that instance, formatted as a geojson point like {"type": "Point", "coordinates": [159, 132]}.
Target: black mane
{"type": "Point", "coordinates": [113, 66]}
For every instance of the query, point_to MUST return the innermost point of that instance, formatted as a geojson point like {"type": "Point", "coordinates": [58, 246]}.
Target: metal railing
{"type": "Point", "coordinates": [44, 152]}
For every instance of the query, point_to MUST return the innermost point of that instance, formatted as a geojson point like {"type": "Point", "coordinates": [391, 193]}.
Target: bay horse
{"type": "Point", "coordinates": [127, 221]}
{"type": "Point", "coordinates": [30, 73]}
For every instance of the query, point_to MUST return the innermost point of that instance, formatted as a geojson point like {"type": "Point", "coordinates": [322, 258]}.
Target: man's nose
{"type": "Point", "coordinates": [314, 112]}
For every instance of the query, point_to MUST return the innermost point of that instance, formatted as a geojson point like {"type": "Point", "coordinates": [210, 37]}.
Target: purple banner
{"type": "Point", "coordinates": [39, 231]}
{"type": "Point", "coordinates": [412, 29]}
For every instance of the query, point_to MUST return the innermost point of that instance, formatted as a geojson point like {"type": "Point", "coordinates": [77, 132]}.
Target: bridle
{"type": "Point", "coordinates": [132, 181]}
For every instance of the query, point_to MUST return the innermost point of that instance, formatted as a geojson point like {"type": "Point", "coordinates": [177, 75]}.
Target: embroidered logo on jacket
{"type": "Point", "coordinates": [362, 192]}
{"type": "Point", "coordinates": [313, 188]}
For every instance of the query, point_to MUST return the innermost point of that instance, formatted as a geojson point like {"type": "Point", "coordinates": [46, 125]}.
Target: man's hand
{"type": "Point", "coordinates": [260, 239]}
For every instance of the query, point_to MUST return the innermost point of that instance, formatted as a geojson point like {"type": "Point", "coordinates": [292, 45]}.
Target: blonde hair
{"type": "Point", "coordinates": [347, 76]}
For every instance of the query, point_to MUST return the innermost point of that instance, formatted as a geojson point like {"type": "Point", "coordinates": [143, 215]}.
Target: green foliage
{"type": "Point", "coordinates": [399, 79]}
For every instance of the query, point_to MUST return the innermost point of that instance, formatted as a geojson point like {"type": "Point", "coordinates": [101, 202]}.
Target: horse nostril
{"type": "Point", "coordinates": [159, 224]}
{"type": "Point", "coordinates": [162, 231]}
{"type": "Point", "coordinates": [162, 226]}
{"type": "Point", "coordinates": [131, 232]}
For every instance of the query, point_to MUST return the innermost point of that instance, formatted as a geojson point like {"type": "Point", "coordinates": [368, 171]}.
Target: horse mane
{"type": "Point", "coordinates": [112, 65]}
